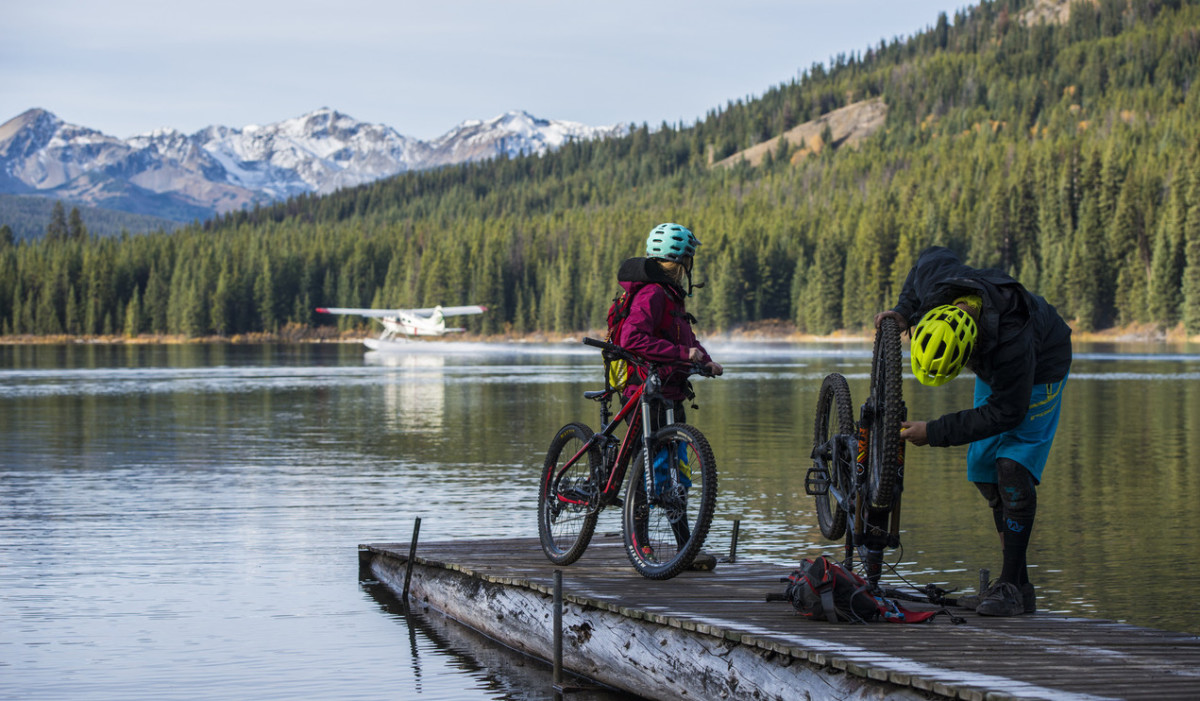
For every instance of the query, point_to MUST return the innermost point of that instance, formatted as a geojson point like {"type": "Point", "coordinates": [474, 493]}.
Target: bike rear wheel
{"type": "Point", "coordinates": [835, 416]}
{"type": "Point", "coordinates": [886, 407]}
{"type": "Point", "coordinates": [568, 499]}
{"type": "Point", "coordinates": [665, 531]}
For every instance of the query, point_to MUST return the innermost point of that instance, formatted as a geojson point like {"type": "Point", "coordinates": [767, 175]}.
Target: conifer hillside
{"type": "Point", "coordinates": [1064, 148]}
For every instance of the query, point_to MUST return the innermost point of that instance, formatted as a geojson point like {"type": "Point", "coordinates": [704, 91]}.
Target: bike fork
{"type": "Point", "coordinates": [647, 460]}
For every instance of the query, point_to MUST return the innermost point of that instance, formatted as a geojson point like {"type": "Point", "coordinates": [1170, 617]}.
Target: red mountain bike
{"type": "Point", "coordinates": [858, 470]}
{"type": "Point", "coordinates": [672, 493]}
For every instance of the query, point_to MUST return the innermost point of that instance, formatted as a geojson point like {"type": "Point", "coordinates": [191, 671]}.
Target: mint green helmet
{"type": "Point", "coordinates": [671, 242]}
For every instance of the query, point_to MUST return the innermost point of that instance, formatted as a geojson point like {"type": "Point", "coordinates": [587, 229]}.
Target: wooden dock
{"type": "Point", "coordinates": [712, 635]}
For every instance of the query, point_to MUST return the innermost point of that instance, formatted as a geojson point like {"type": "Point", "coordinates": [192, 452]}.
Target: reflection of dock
{"type": "Point", "coordinates": [502, 669]}
{"type": "Point", "coordinates": [713, 635]}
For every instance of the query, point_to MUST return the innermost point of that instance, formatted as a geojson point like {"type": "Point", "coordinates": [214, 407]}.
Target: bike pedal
{"type": "Point", "coordinates": [816, 482]}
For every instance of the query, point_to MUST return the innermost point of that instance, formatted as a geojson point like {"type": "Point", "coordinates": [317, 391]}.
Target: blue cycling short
{"type": "Point", "coordinates": [1028, 444]}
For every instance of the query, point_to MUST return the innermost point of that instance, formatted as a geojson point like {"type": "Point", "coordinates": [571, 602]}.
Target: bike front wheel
{"type": "Point", "coordinates": [568, 496]}
{"type": "Point", "coordinates": [835, 417]}
{"type": "Point", "coordinates": [887, 411]}
{"type": "Point", "coordinates": [669, 509]}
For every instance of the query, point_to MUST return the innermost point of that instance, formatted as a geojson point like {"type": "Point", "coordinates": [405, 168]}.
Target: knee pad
{"type": "Point", "coordinates": [991, 492]}
{"type": "Point", "coordinates": [1017, 490]}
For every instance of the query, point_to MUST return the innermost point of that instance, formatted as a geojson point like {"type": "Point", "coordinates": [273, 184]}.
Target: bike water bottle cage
{"type": "Point", "coordinates": [671, 242]}
{"type": "Point", "coordinates": [941, 344]}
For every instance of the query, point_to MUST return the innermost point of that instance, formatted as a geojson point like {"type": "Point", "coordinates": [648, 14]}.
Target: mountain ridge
{"type": "Point", "coordinates": [219, 169]}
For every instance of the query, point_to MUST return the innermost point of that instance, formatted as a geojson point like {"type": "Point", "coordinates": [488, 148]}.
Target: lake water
{"type": "Point", "coordinates": [182, 521]}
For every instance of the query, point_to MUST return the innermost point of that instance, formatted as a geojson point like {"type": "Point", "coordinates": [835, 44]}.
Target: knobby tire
{"type": "Point", "coordinates": [653, 531]}
{"type": "Point", "coordinates": [835, 415]}
{"type": "Point", "coordinates": [566, 528]}
{"type": "Point", "coordinates": [887, 410]}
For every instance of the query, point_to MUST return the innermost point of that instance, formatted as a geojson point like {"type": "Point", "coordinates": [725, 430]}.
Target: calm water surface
{"type": "Point", "coordinates": [182, 522]}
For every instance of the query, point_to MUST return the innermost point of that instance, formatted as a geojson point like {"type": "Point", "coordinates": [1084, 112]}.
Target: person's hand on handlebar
{"type": "Point", "coordinates": [697, 357]}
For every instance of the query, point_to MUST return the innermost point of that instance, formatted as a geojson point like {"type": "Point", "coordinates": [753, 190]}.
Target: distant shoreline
{"type": "Point", "coordinates": [762, 332]}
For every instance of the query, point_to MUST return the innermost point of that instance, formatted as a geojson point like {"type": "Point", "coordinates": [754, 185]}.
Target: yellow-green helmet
{"type": "Point", "coordinates": [942, 344]}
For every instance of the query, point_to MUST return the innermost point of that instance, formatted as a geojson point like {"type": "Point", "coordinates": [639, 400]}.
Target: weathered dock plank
{"type": "Point", "coordinates": [713, 635]}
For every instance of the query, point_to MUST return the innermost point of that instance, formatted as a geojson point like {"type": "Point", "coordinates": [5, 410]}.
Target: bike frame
{"type": "Point", "coordinates": [616, 466]}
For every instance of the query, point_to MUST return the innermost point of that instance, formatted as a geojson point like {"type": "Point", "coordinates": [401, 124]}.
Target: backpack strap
{"type": "Point", "coordinates": [623, 303]}
{"type": "Point", "coordinates": [826, 583]}
{"type": "Point", "coordinates": [827, 602]}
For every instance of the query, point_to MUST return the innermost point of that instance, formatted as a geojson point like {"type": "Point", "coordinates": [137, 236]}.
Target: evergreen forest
{"type": "Point", "coordinates": [1067, 154]}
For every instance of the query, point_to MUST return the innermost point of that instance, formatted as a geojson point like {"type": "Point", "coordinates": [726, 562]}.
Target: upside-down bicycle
{"type": "Point", "coordinates": [672, 493]}
{"type": "Point", "coordinates": [857, 475]}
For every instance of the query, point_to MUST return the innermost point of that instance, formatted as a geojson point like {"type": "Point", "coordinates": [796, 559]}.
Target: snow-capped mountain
{"type": "Point", "coordinates": [512, 134]}
{"type": "Point", "coordinates": [218, 169]}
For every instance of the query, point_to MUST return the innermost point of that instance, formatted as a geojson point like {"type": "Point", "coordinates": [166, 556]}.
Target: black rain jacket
{"type": "Point", "coordinates": [1022, 341]}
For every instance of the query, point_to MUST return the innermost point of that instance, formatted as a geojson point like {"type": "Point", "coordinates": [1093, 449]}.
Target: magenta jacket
{"type": "Point", "coordinates": [658, 326]}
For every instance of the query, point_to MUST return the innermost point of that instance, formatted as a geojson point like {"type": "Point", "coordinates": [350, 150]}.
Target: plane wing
{"type": "Point", "coordinates": [426, 312]}
{"type": "Point", "coordinates": [450, 311]}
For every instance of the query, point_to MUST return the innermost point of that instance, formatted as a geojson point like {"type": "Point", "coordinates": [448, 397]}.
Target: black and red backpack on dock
{"type": "Point", "coordinates": [824, 590]}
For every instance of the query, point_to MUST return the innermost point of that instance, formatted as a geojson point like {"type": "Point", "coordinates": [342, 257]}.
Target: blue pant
{"type": "Point", "coordinates": [662, 472]}
{"type": "Point", "coordinates": [1028, 444]}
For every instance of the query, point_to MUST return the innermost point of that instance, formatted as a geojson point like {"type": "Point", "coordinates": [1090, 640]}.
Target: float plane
{"type": "Point", "coordinates": [400, 324]}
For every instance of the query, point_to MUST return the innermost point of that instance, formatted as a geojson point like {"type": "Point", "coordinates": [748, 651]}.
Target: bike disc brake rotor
{"type": "Point", "coordinates": [673, 501]}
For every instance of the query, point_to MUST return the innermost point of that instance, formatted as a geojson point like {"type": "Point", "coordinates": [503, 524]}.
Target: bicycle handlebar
{"type": "Point", "coordinates": [613, 350]}
{"type": "Point", "coordinates": [621, 353]}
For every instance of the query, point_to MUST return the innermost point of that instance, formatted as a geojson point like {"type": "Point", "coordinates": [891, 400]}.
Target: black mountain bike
{"type": "Point", "coordinates": [672, 493]}
{"type": "Point", "coordinates": [857, 475]}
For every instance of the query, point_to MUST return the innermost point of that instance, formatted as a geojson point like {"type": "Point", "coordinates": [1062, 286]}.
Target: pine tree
{"type": "Point", "coordinates": [1127, 246]}
{"type": "Point", "coordinates": [76, 231]}
{"type": "Point", "coordinates": [156, 300]}
{"type": "Point", "coordinates": [133, 315]}
{"type": "Point", "coordinates": [265, 301]}
{"type": "Point", "coordinates": [72, 324]}
{"type": "Point", "coordinates": [56, 230]}
{"type": "Point", "coordinates": [1086, 268]}
{"type": "Point", "coordinates": [1166, 268]}
{"type": "Point", "coordinates": [1191, 277]}
{"type": "Point", "coordinates": [219, 308]}
{"type": "Point", "coordinates": [824, 296]}
{"type": "Point", "coordinates": [46, 321]}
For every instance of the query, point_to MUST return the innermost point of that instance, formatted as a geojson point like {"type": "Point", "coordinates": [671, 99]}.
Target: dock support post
{"type": "Point", "coordinates": [733, 543]}
{"type": "Point", "coordinates": [558, 608]}
{"type": "Point", "coordinates": [408, 567]}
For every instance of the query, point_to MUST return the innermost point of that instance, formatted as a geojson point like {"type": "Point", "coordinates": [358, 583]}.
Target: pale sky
{"type": "Point", "coordinates": [126, 67]}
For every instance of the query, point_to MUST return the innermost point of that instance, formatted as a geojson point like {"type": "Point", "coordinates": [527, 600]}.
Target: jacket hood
{"type": "Point", "coordinates": [642, 270]}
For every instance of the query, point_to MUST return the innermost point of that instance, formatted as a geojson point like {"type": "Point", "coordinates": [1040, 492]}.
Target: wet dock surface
{"type": "Point", "coordinates": [1031, 656]}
